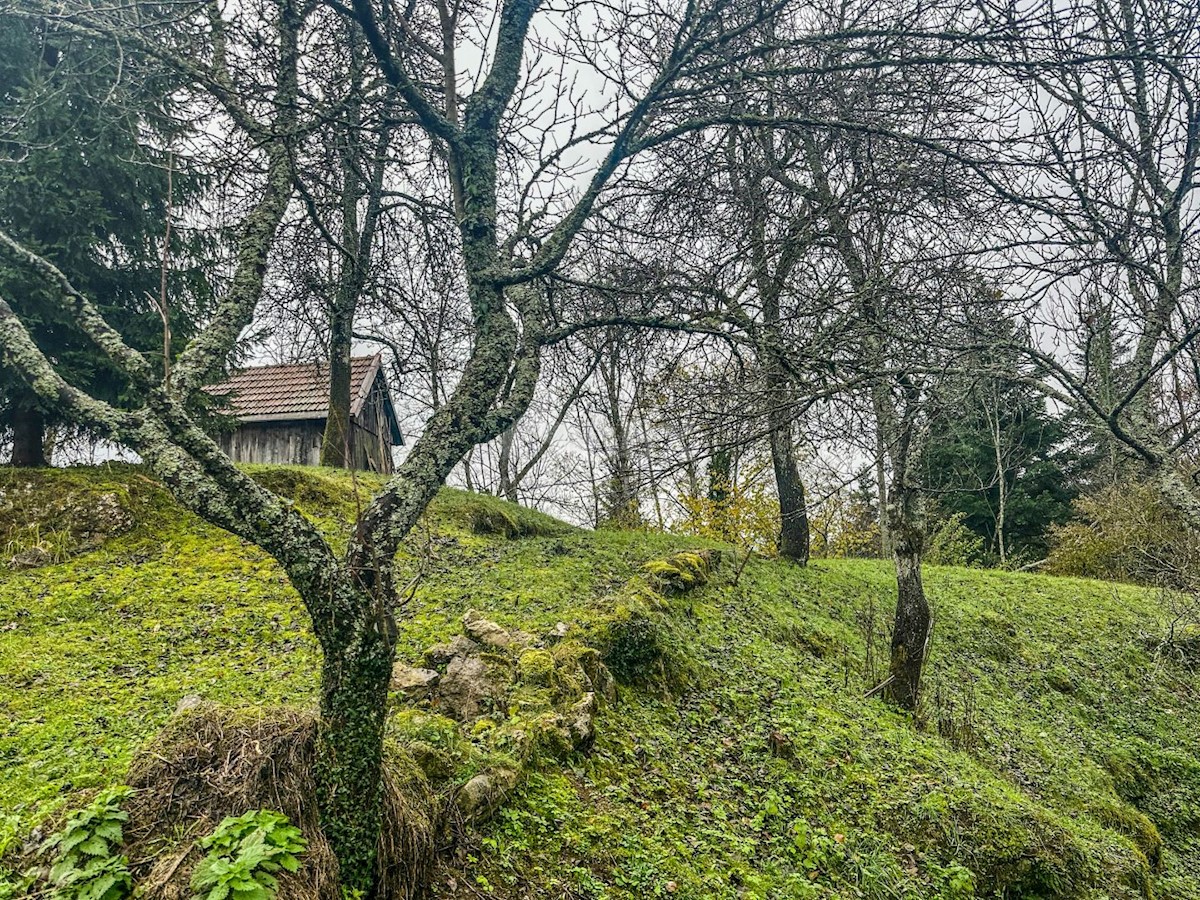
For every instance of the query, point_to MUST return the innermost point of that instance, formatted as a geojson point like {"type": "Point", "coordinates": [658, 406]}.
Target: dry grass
{"type": "Point", "coordinates": [211, 762]}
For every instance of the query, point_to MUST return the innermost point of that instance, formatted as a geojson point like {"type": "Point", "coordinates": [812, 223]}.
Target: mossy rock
{"type": "Point", "coordinates": [1135, 825]}
{"type": "Point", "coordinates": [536, 667]}
{"type": "Point", "coordinates": [40, 526]}
{"type": "Point", "coordinates": [533, 738]}
{"type": "Point", "coordinates": [435, 762]}
{"type": "Point", "coordinates": [631, 643]}
{"type": "Point", "coordinates": [680, 572]}
{"type": "Point", "coordinates": [435, 741]}
{"type": "Point", "coordinates": [580, 668]}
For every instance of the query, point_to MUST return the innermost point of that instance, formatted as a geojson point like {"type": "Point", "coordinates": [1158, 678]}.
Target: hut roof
{"type": "Point", "coordinates": [300, 391]}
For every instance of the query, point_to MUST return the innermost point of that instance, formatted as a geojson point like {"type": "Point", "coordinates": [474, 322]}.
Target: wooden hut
{"type": "Point", "coordinates": [281, 412]}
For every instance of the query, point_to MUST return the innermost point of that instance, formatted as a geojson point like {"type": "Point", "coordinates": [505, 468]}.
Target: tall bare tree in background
{"type": "Point", "coordinates": [895, 221]}
{"type": "Point", "coordinates": [361, 142]}
{"type": "Point", "coordinates": [1100, 150]}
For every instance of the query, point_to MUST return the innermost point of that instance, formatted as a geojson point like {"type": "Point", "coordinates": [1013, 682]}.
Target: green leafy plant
{"type": "Point", "coordinates": [14, 884]}
{"type": "Point", "coordinates": [87, 864]}
{"type": "Point", "coordinates": [957, 881]}
{"type": "Point", "coordinates": [244, 853]}
{"type": "Point", "coordinates": [954, 544]}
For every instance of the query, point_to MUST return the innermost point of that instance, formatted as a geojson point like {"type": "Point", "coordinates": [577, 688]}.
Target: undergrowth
{"type": "Point", "coordinates": [1055, 755]}
{"type": "Point", "coordinates": [243, 854]}
{"type": "Point", "coordinates": [88, 862]}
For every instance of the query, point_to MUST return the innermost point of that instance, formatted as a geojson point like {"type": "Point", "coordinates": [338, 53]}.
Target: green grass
{"type": "Point", "coordinates": [1055, 756]}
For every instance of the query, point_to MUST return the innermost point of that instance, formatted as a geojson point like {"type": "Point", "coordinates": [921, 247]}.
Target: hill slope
{"type": "Point", "coordinates": [1057, 756]}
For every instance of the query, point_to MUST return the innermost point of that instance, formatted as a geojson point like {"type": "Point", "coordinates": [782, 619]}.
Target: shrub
{"type": "Point", "coordinates": [745, 514]}
{"type": "Point", "coordinates": [87, 863]}
{"type": "Point", "coordinates": [954, 544]}
{"type": "Point", "coordinates": [244, 853]}
{"type": "Point", "coordinates": [1126, 533]}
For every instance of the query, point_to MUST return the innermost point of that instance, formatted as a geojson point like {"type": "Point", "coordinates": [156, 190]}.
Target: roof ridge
{"type": "Point", "coordinates": [370, 357]}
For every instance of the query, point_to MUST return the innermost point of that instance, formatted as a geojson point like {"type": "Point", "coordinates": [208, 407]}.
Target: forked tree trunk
{"type": "Point", "coordinates": [910, 635]}
{"type": "Point", "coordinates": [794, 537]}
{"type": "Point", "coordinates": [29, 437]}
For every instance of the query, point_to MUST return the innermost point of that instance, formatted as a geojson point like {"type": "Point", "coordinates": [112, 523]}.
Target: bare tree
{"type": "Point", "coordinates": [895, 219]}
{"type": "Point", "coordinates": [362, 155]}
{"type": "Point", "coordinates": [1100, 152]}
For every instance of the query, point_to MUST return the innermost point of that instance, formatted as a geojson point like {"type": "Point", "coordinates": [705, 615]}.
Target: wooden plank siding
{"type": "Point", "coordinates": [280, 443]}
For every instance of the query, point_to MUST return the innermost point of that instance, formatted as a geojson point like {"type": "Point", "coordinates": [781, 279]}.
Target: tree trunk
{"type": "Point", "coordinates": [910, 634]}
{"type": "Point", "coordinates": [508, 483]}
{"type": "Point", "coordinates": [793, 505]}
{"type": "Point", "coordinates": [622, 508]}
{"type": "Point", "coordinates": [997, 437]}
{"type": "Point", "coordinates": [881, 486]}
{"type": "Point", "coordinates": [1001, 512]}
{"type": "Point", "coordinates": [29, 438]}
{"type": "Point", "coordinates": [355, 674]}
{"type": "Point", "coordinates": [335, 443]}
{"type": "Point", "coordinates": [720, 476]}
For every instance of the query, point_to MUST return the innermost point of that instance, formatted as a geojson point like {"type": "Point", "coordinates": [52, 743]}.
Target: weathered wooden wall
{"type": "Point", "coordinates": [372, 436]}
{"type": "Point", "coordinates": [284, 443]}
{"type": "Point", "coordinates": [299, 444]}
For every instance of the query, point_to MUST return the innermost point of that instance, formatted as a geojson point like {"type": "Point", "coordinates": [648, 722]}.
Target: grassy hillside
{"type": "Point", "coordinates": [1056, 757]}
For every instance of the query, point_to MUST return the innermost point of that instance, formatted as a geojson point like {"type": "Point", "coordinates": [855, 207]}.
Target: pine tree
{"type": "Point", "coordinates": [1001, 461]}
{"type": "Point", "coordinates": [88, 180]}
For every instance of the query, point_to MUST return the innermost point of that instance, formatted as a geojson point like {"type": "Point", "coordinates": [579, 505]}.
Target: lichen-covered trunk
{"type": "Point", "coordinates": [914, 622]}
{"type": "Point", "coordinates": [349, 762]}
{"type": "Point", "coordinates": [29, 437]}
{"type": "Point", "coordinates": [335, 443]}
{"type": "Point", "coordinates": [793, 504]}
{"type": "Point", "coordinates": [1177, 491]}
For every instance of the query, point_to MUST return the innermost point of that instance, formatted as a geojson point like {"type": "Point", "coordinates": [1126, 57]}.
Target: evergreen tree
{"type": "Point", "coordinates": [1000, 459]}
{"type": "Point", "coordinates": [88, 180]}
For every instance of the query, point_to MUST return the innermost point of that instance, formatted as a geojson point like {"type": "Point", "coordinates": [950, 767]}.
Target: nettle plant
{"type": "Point", "coordinates": [244, 853]}
{"type": "Point", "coordinates": [88, 864]}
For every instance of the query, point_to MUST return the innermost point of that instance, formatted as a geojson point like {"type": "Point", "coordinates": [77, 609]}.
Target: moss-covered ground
{"type": "Point", "coordinates": [1056, 756]}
